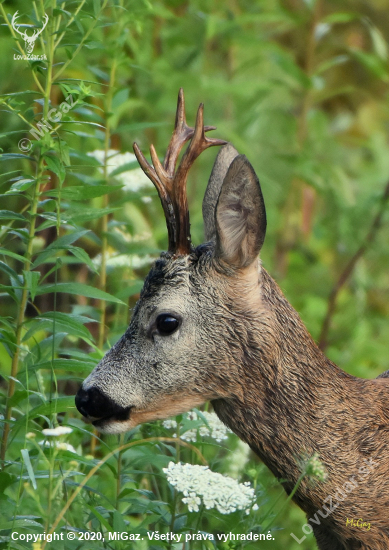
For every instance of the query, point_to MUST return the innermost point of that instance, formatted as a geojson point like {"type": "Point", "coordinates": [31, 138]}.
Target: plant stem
{"type": "Point", "coordinates": [104, 221]}
{"type": "Point", "coordinates": [27, 266]}
{"type": "Point", "coordinates": [21, 315]}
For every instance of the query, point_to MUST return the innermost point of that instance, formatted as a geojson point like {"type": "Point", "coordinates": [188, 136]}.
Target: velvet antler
{"type": "Point", "coordinates": [171, 183]}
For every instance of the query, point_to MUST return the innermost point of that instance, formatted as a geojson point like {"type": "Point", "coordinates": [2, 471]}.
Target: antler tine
{"type": "Point", "coordinates": [182, 132]}
{"type": "Point", "coordinates": [159, 169]}
{"type": "Point", "coordinates": [198, 144]}
{"type": "Point", "coordinates": [165, 199]}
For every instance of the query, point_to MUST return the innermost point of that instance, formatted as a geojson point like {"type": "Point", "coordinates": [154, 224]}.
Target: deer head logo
{"type": "Point", "coordinates": [29, 41]}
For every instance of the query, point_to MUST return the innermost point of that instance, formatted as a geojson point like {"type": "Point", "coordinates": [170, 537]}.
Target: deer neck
{"type": "Point", "coordinates": [289, 396]}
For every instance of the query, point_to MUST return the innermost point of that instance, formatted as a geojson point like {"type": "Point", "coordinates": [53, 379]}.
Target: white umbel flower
{"type": "Point", "coordinates": [132, 180]}
{"type": "Point", "coordinates": [216, 430]}
{"type": "Point", "coordinates": [200, 485]}
{"type": "Point", "coordinates": [57, 432]}
{"type": "Point", "coordinates": [193, 502]}
{"type": "Point", "coordinates": [169, 424]}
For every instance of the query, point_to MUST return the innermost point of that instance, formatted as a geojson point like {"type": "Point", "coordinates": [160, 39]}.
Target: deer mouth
{"type": "Point", "coordinates": [119, 416]}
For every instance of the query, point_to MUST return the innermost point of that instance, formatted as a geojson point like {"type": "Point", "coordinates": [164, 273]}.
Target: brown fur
{"type": "Point", "coordinates": [305, 404]}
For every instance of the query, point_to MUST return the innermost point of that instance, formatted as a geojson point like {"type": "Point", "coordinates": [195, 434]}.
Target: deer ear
{"type": "Point", "coordinates": [240, 216]}
{"type": "Point", "coordinates": [222, 162]}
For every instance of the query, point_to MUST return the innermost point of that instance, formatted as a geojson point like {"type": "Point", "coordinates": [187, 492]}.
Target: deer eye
{"type": "Point", "coordinates": [166, 324]}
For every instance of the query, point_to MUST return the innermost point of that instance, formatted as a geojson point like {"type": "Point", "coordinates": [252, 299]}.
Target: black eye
{"type": "Point", "coordinates": [166, 324]}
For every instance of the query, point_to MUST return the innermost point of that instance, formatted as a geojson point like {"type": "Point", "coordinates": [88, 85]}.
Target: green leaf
{"type": "Point", "coordinates": [87, 214]}
{"type": "Point", "coordinates": [56, 166]}
{"type": "Point", "coordinates": [6, 269]}
{"type": "Point", "coordinates": [62, 243]}
{"type": "Point", "coordinates": [119, 98]}
{"type": "Point", "coordinates": [373, 63]}
{"type": "Point", "coordinates": [32, 279]}
{"type": "Point", "coordinates": [6, 480]}
{"type": "Point", "coordinates": [19, 523]}
{"type": "Point", "coordinates": [84, 258]}
{"type": "Point", "coordinates": [61, 322]}
{"type": "Point", "coordinates": [79, 193]}
{"type": "Point", "coordinates": [96, 7]}
{"type": "Point", "coordinates": [66, 240]}
{"type": "Point", "coordinates": [6, 252]}
{"type": "Point", "coordinates": [61, 404]}
{"type": "Point", "coordinates": [10, 156]}
{"type": "Point", "coordinates": [27, 462]}
{"type": "Point", "coordinates": [8, 215]}
{"type": "Point", "coordinates": [101, 518]}
{"type": "Point", "coordinates": [20, 185]}
{"type": "Point", "coordinates": [79, 289]}
{"type": "Point", "coordinates": [65, 364]}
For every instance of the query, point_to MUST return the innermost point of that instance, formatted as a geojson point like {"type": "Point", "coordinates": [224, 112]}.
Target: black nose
{"type": "Point", "coordinates": [94, 403]}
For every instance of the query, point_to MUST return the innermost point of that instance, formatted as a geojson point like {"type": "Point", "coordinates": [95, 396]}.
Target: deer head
{"type": "Point", "coordinates": [183, 346]}
{"type": "Point", "coordinates": [29, 41]}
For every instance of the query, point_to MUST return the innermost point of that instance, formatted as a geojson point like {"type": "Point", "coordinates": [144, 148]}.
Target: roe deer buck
{"type": "Point", "coordinates": [211, 324]}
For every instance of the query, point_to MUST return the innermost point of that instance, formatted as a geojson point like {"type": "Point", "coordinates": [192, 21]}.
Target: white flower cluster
{"type": "Point", "coordinates": [202, 486]}
{"type": "Point", "coordinates": [217, 430]}
{"type": "Point", "coordinates": [169, 424]}
{"type": "Point", "coordinates": [132, 180]}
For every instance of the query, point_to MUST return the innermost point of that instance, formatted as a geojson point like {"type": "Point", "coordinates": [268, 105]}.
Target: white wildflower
{"type": "Point", "coordinates": [65, 447]}
{"type": "Point", "coordinates": [57, 432]}
{"type": "Point", "coordinates": [169, 423]}
{"type": "Point", "coordinates": [60, 445]}
{"type": "Point", "coordinates": [202, 486]}
{"type": "Point", "coordinates": [133, 180]}
{"type": "Point", "coordinates": [216, 430]}
{"type": "Point", "coordinates": [193, 502]}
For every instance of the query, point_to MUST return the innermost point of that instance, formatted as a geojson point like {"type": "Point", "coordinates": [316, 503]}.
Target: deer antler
{"type": "Point", "coordinates": [171, 183]}
{"type": "Point", "coordinates": [38, 32]}
{"type": "Point", "coordinates": [13, 23]}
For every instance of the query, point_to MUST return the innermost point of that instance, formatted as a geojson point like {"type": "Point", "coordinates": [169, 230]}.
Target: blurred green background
{"type": "Point", "coordinates": [300, 87]}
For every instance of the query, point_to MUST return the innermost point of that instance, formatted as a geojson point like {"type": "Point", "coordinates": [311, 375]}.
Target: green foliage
{"type": "Point", "coordinates": [302, 89]}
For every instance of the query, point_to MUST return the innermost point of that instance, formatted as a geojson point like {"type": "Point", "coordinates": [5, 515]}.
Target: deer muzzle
{"type": "Point", "coordinates": [99, 408]}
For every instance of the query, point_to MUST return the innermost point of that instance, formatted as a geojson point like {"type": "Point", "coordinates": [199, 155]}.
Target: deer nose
{"type": "Point", "coordinates": [94, 403]}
